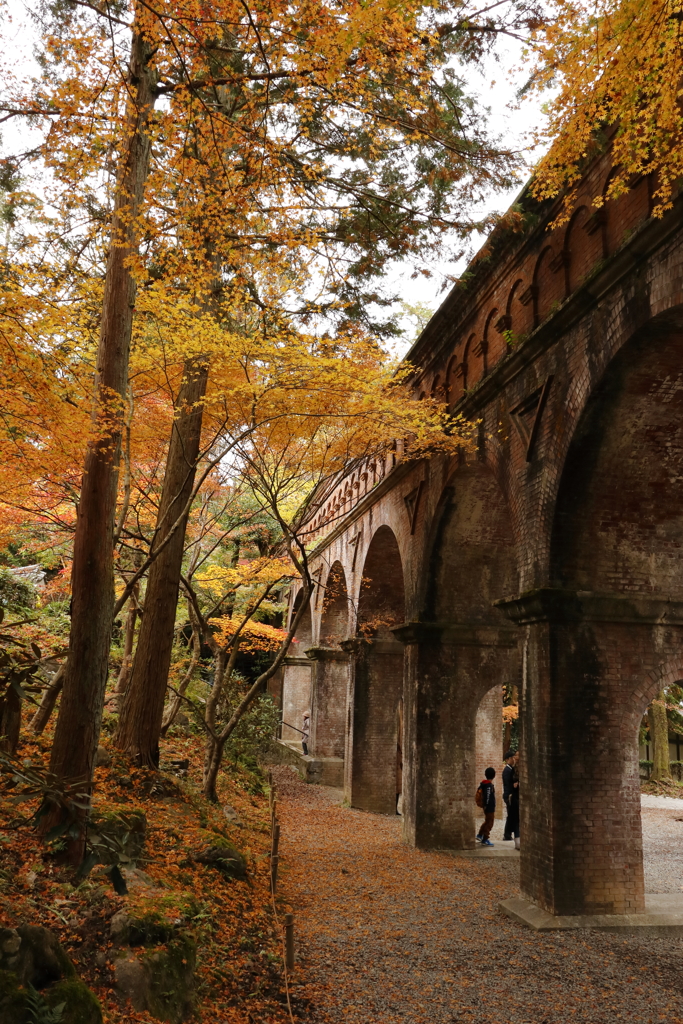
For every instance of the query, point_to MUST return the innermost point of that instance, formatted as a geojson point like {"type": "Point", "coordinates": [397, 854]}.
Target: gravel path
{"type": "Point", "coordinates": [663, 844]}
{"type": "Point", "coordinates": [391, 935]}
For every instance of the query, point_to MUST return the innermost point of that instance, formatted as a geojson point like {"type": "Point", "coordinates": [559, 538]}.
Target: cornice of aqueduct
{"type": "Point", "coordinates": [520, 295]}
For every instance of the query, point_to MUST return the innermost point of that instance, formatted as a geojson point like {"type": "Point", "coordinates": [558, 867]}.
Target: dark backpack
{"type": "Point", "coordinates": [479, 797]}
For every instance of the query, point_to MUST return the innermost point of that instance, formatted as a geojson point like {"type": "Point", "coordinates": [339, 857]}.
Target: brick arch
{"type": "Point", "coordinates": [478, 356]}
{"type": "Point", "coordinates": [519, 309]}
{"type": "Point", "coordinates": [297, 677]}
{"type": "Point", "coordinates": [451, 381]}
{"type": "Point", "coordinates": [466, 377]}
{"type": "Point", "coordinates": [304, 633]}
{"type": "Point", "coordinates": [548, 285]}
{"type": "Point", "coordinates": [617, 512]}
{"type": "Point", "coordinates": [472, 549]}
{"type": "Point", "coordinates": [334, 620]}
{"type": "Point", "coordinates": [626, 212]}
{"type": "Point", "coordinates": [614, 608]}
{"type": "Point", "coordinates": [582, 251]}
{"type": "Point", "coordinates": [374, 720]}
{"type": "Point", "coordinates": [381, 601]}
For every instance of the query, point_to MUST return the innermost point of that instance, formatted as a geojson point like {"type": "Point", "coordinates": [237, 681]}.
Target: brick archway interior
{"type": "Point", "coordinates": [334, 621]}
{"type": "Point", "coordinates": [296, 679]}
{"type": "Point", "coordinates": [462, 650]}
{"type": "Point", "coordinates": [373, 740]}
{"type": "Point", "coordinates": [613, 629]}
{"type": "Point", "coordinates": [331, 672]}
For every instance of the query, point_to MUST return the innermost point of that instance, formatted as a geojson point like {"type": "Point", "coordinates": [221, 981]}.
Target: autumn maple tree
{"type": "Point", "coordinates": [208, 152]}
{"type": "Point", "coordinates": [615, 68]}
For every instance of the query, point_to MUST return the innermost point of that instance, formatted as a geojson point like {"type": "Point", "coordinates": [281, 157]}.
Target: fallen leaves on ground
{"type": "Point", "coordinates": [392, 935]}
{"type": "Point", "coordinates": [239, 970]}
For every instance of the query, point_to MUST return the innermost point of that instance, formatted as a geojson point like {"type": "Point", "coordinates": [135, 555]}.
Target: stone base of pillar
{"type": "Point", "coordinates": [484, 852]}
{"type": "Point", "coordinates": [663, 916]}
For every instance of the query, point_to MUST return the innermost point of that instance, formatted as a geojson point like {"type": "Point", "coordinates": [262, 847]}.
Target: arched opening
{"type": "Point", "coordinates": [612, 629]}
{"type": "Point", "coordinates": [548, 285]}
{"type": "Point", "coordinates": [583, 250]}
{"type": "Point", "coordinates": [375, 717]}
{"type": "Point", "coordinates": [331, 675]}
{"type": "Point", "coordinates": [461, 651]}
{"type": "Point", "coordinates": [297, 678]}
{"type": "Point", "coordinates": [334, 623]}
{"type": "Point", "coordinates": [488, 739]}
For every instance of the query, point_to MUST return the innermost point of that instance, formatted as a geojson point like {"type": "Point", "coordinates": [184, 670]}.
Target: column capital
{"type": "Point", "coordinates": [460, 634]}
{"type": "Point", "coordinates": [326, 654]}
{"type": "Point", "coordinates": [555, 604]}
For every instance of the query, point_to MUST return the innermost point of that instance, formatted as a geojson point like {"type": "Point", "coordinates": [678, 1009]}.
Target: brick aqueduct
{"type": "Point", "coordinates": [550, 559]}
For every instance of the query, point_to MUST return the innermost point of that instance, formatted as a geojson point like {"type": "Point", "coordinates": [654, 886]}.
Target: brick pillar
{"type": "Point", "coordinates": [592, 663]}
{"type": "Point", "coordinates": [449, 668]}
{"type": "Point", "coordinates": [328, 702]}
{"type": "Point", "coordinates": [376, 686]}
{"type": "Point", "coordinates": [296, 695]}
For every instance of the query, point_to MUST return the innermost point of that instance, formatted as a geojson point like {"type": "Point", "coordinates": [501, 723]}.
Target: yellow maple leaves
{"type": "Point", "coordinates": [619, 68]}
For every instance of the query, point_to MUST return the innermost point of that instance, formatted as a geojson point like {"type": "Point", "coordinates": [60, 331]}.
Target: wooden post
{"type": "Point", "coordinates": [276, 839]}
{"type": "Point", "coordinates": [273, 872]}
{"type": "Point", "coordinates": [289, 942]}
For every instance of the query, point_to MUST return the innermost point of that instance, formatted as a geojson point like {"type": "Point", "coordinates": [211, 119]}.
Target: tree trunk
{"type": "Point", "coordinates": [80, 713]}
{"type": "Point", "coordinates": [129, 637]}
{"type": "Point", "coordinates": [47, 702]}
{"type": "Point", "coordinates": [143, 704]}
{"type": "Point", "coordinates": [659, 731]}
{"type": "Point", "coordinates": [211, 769]}
{"type": "Point", "coordinates": [10, 722]}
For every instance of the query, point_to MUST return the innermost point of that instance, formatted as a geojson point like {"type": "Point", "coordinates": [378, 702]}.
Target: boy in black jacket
{"type": "Point", "coordinates": [488, 805]}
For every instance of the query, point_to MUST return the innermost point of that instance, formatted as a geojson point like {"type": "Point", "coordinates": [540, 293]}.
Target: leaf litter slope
{"type": "Point", "coordinates": [391, 935]}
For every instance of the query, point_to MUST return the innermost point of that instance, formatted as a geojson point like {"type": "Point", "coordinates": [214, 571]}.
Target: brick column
{"type": "Point", "coordinates": [328, 702]}
{"type": "Point", "coordinates": [449, 669]}
{"type": "Point", "coordinates": [296, 695]}
{"type": "Point", "coordinates": [592, 663]}
{"type": "Point", "coordinates": [376, 686]}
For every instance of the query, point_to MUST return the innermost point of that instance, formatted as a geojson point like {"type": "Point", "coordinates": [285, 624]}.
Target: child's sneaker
{"type": "Point", "coordinates": [486, 842]}
{"type": "Point", "coordinates": [478, 839]}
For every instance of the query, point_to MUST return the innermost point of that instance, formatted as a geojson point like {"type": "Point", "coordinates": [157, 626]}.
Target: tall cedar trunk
{"type": "Point", "coordinates": [659, 731]}
{"type": "Point", "coordinates": [10, 722]}
{"type": "Point", "coordinates": [143, 704]}
{"type": "Point", "coordinates": [80, 713]}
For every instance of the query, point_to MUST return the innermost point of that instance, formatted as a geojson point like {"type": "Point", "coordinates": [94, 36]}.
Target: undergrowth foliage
{"type": "Point", "coordinates": [172, 876]}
